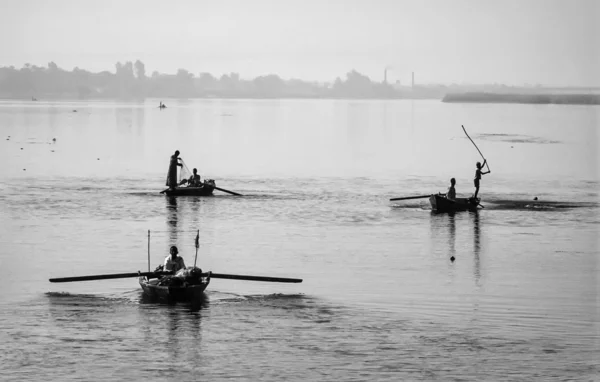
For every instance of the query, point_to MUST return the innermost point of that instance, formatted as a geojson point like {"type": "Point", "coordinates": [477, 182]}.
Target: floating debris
{"type": "Point", "coordinates": [452, 258]}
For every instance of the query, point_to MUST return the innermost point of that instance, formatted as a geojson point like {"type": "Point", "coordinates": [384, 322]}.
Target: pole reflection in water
{"type": "Point", "coordinates": [476, 247]}
{"type": "Point", "coordinates": [452, 237]}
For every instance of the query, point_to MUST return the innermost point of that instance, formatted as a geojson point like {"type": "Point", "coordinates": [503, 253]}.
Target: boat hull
{"type": "Point", "coordinates": [440, 203]}
{"type": "Point", "coordinates": [186, 293]}
{"type": "Point", "coordinates": [207, 189]}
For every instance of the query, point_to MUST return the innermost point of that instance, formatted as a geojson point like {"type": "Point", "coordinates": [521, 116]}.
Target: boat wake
{"type": "Point", "coordinates": [535, 205]}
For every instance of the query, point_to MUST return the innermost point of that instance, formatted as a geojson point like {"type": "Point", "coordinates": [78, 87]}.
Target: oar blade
{"type": "Point", "coordinates": [227, 191]}
{"type": "Point", "coordinates": [254, 278]}
{"type": "Point", "coordinates": [411, 197]}
{"type": "Point", "coordinates": [104, 277]}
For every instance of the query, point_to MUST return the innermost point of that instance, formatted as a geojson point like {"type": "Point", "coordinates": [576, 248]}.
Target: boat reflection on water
{"type": "Point", "coordinates": [173, 331]}
{"type": "Point", "coordinates": [444, 228]}
{"type": "Point", "coordinates": [172, 218]}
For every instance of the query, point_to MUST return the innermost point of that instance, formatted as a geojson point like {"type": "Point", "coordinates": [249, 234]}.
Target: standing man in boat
{"type": "Point", "coordinates": [478, 174]}
{"type": "Point", "coordinates": [451, 190]}
{"type": "Point", "coordinates": [173, 263]}
{"type": "Point", "coordinates": [172, 174]}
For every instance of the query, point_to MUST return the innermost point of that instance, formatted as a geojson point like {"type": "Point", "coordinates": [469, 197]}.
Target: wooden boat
{"type": "Point", "coordinates": [176, 289]}
{"type": "Point", "coordinates": [187, 285]}
{"type": "Point", "coordinates": [439, 203]}
{"type": "Point", "coordinates": [206, 189]}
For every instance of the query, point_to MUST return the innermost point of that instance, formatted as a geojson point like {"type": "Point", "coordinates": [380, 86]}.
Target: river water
{"type": "Point", "coordinates": [380, 300]}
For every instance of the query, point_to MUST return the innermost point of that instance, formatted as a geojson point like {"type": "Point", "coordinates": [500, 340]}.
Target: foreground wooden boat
{"type": "Point", "coordinates": [439, 203]}
{"type": "Point", "coordinates": [176, 289]}
{"type": "Point", "coordinates": [187, 285]}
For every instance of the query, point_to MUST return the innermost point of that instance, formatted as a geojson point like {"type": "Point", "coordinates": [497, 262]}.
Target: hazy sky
{"type": "Point", "coordinates": [514, 42]}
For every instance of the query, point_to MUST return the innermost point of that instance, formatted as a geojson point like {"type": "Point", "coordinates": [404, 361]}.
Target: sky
{"type": "Point", "coordinates": [513, 42]}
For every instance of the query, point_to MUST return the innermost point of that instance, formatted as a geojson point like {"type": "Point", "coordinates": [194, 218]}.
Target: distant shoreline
{"type": "Point", "coordinates": [542, 99]}
{"type": "Point", "coordinates": [232, 97]}
{"type": "Point", "coordinates": [466, 97]}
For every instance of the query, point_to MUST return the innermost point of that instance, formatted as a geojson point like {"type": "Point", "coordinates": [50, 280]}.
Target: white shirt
{"type": "Point", "coordinates": [451, 193]}
{"type": "Point", "coordinates": [174, 265]}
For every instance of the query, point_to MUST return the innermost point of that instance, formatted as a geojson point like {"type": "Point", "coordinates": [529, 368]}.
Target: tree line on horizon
{"type": "Point", "coordinates": [130, 81]}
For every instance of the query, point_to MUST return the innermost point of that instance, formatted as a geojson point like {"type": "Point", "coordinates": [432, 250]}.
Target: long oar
{"type": "Point", "coordinates": [106, 277]}
{"type": "Point", "coordinates": [227, 191]}
{"type": "Point", "coordinates": [486, 163]}
{"type": "Point", "coordinates": [253, 278]}
{"type": "Point", "coordinates": [411, 197]}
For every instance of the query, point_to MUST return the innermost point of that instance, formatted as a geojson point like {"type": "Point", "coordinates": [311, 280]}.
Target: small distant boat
{"type": "Point", "coordinates": [206, 189]}
{"type": "Point", "coordinates": [439, 203]}
{"type": "Point", "coordinates": [176, 289]}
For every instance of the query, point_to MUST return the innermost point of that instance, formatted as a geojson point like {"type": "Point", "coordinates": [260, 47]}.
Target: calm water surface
{"type": "Point", "coordinates": [381, 299]}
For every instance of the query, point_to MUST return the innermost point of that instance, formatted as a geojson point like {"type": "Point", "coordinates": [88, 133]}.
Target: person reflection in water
{"type": "Point", "coordinates": [172, 174]}
{"type": "Point", "coordinates": [451, 190]}
{"type": "Point", "coordinates": [173, 263]}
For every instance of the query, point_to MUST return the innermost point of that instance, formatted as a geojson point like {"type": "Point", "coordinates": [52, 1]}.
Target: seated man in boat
{"type": "Point", "coordinates": [194, 180]}
{"type": "Point", "coordinates": [173, 263]}
{"type": "Point", "coordinates": [451, 190]}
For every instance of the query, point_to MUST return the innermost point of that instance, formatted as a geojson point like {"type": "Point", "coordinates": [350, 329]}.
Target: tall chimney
{"type": "Point", "coordinates": [385, 76]}
{"type": "Point", "coordinates": [413, 80]}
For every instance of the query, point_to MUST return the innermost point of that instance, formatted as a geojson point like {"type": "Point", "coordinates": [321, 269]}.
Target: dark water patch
{"type": "Point", "coordinates": [70, 299]}
{"type": "Point", "coordinates": [524, 98]}
{"type": "Point", "coordinates": [516, 138]}
{"type": "Point", "coordinates": [410, 206]}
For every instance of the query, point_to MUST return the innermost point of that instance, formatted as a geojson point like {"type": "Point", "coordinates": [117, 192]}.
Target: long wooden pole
{"type": "Point", "coordinates": [197, 246]}
{"type": "Point", "coordinates": [251, 278]}
{"type": "Point", "coordinates": [148, 250]}
{"type": "Point", "coordinates": [106, 277]}
{"type": "Point", "coordinates": [227, 191]}
{"type": "Point", "coordinates": [485, 160]}
{"type": "Point", "coordinates": [411, 197]}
